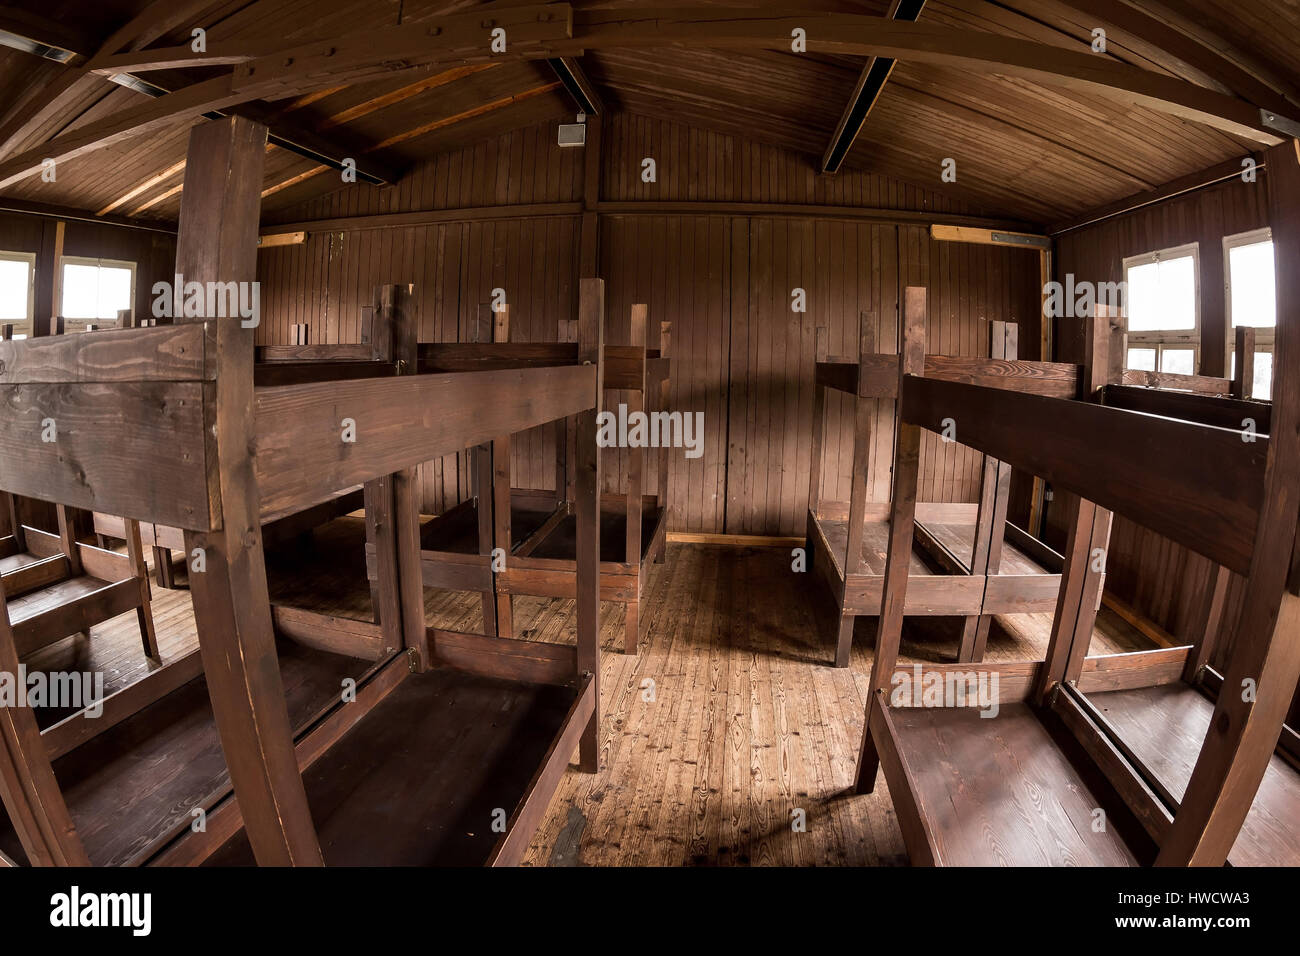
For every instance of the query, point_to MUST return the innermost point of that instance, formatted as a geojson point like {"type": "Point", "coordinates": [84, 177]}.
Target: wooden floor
{"type": "Point", "coordinates": [728, 722]}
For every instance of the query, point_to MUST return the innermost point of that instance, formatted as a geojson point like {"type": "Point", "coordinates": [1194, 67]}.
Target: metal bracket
{"type": "Point", "coordinates": [1282, 124]}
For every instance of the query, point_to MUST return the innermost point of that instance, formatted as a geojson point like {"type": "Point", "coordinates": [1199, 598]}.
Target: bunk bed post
{"type": "Point", "coordinates": [385, 597]}
{"type": "Point", "coordinates": [636, 400]}
{"type": "Point", "coordinates": [991, 516]}
{"type": "Point", "coordinates": [586, 477]}
{"type": "Point", "coordinates": [1243, 376]}
{"type": "Point", "coordinates": [1089, 528]}
{"type": "Point", "coordinates": [898, 558]}
{"type": "Point", "coordinates": [15, 520]}
{"type": "Point", "coordinates": [143, 612]}
{"type": "Point", "coordinates": [397, 314]}
{"type": "Point", "coordinates": [217, 241]}
{"type": "Point", "coordinates": [818, 430]}
{"type": "Point", "coordinates": [863, 412]}
{"type": "Point", "coordinates": [502, 468]}
{"type": "Point", "coordinates": [663, 397]}
{"type": "Point", "coordinates": [1207, 620]}
{"type": "Point", "coordinates": [1266, 652]}
{"type": "Point", "coordinates": [28, 787]}
{"type": "Point", "coordinates": [567, 331]}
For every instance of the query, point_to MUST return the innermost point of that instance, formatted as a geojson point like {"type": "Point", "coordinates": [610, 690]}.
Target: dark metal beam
{"type": "Point", "coordinates": [870, 84]}
{"type": "Point", "coordinates": [580, 87]}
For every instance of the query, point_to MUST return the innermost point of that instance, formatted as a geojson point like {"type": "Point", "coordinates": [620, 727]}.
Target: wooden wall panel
{"type": "Point", "coordinates": [681, 267]}
{"type": "Point", "coordinates": [1159, 578]}
{"type": "Point", "coordinates": [741, 356]}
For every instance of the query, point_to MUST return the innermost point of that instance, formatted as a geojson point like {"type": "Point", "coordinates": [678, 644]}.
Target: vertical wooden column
{"type": "Point", "coordinates": [217, 242]}
{"type": "Point", "coordinates": [502, 481]}
{"type": "Point", "coordinates": [567, 331]}
{"type": "Point", "coordinates": [991, 518]}
{"type": "Point", "coordinates": [1088, 529]}
{"type": "Point", "coordinates": [663, 399]}
{"type": "Point", "coordinates": [636, 402]}
{"type": "Point", "coordinates": [863, 410]}
{"type": "Point", "coordinates": [820, 354]}
{"type": "Point", "coordinates": [397, 313]}
{"type": "Point", "coordinates": [591, 351]}
{"type": "Point", "coordinates": [68, 539]}
{"type": "Point", "coordinates": [10, 503]}
{"type": "Point", "coordinates": [1207, 621]}
{"type": "Point", "coordinates": [1243, 377]}
{"type": "Point", "coordinates": [28, 788]}
{"type": "Point", "coordinates": [46, 298]}
{"type": "Point", "coordinates": [1261, 676]}
{"type": "Point", "coordinates": [144, 612]}
{"type": "Point", "coordinates": [902, 521]}
{"type": "Point", "coordinates": [381, 535]}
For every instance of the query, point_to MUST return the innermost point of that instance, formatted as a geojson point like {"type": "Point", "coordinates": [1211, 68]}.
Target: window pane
{"type": "Point", "coordinates": [1162, 295]}
{"type": "Point", "coordinates": [1144, 360]}
{"type": "Point", "coordinates": [15, 284]}
{"type": "Point", "coordinates": [1179, 361]}
{"type": "Point", "coordinates": [95, 292]}
{"type": "Point", "coordinates": [1254, 299]}
{"type": "Point", "coordinates": [1263, 385]}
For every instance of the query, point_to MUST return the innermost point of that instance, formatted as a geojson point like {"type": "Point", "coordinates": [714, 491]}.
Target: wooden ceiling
{"type": "Point", "coordinates": [1023, 150]}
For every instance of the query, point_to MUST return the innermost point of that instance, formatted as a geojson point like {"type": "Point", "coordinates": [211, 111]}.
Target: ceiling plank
{"type": "Point", "coordinates": [393, 97]}
{"type": "Point", "coordinates": [365, 55]}
{"type": "Point", "coordinates": [467, 114]}
{"type": "Point", "coordinates": [869, 87]}
{"type": "Point", "coordinates": [156, 180]}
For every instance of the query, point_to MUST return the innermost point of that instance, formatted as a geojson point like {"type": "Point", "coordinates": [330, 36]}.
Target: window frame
{"type": "Point", "coordinates": [1158, 339]}
{"type": "Point", "coordinates": [99, 262]}
{"type": "Point", "coordinates": [1264, 336]}
{"type": "Point", "coordinates": [23, 326]}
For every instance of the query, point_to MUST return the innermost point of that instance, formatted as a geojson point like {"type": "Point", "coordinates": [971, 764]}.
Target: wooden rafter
{"type": "Point", "coordinates": [579, 85]}
{"type": "Point", "coordinates": [545, 31]}
{"type": "Point", "coordinates": [868, 89]}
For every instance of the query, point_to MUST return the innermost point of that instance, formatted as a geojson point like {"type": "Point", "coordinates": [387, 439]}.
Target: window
{"type": "Point", "coordinates": [95, 290]}
{"type": "Point", "coordinates": [17, 277]}
{"type": "Point", "coordinates": [1251, 293]}
{"type": "Point", "coordinates": [1163, 310]}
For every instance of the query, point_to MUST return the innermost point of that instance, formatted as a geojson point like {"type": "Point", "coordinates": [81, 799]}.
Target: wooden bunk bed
{"type": "Point", "coordinates": [1181, 780]}
{"type": "Point", "coordinates": [55, 585]}
{"type": "Point", "coordinates": [960, 567]}
{"type": "Point", "coordinates": [174, 431]}
{"type": "Point", "coordinates": [372, 357]}
{"type": "Point", "coordinates": [533, 532]}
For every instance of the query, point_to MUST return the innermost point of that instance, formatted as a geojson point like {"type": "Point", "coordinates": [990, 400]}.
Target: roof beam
{"type": "Point", "coordinates": [550, 30]}
{"type": "Point", "coordinates": [580, 87]}
{"type": "Point", "coordinates": [54, 36]}
{"type": "Point", "coordinates": [870, 85]}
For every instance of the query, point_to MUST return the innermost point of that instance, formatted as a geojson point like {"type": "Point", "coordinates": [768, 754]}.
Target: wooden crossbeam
{"type": "Point", "coordinates": [871, 83]}
{"type": "Point", "coordinates": [579, 85]}
{"type": "Point", "coordinates": [554, 30]}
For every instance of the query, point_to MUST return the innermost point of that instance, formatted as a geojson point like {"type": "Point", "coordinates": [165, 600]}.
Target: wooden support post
{"type": "Point", "coordinates": [502, 480]}
{"type": "Point", "coordinates": [635, 464]}
{"type": "Point", "coordinates": [815, 453]}
{"type": "Point", "coordinates": [1038, 491]}
{"type": "Point", "coordinates": [591, 350]}
{"type": "Point", "coordinates": [1243, 376]}
{"type": "Point", "coordinates": [567, 331]}
{"type": "Point", "coordinates": [1261, 675]}
{"type": "Point", "coordinates": [1083, 573]}
{"type": "Point", "coordinates": [68, 539]}
{"type": "Point", "coordinates": [381, 534]}
{"type": "Point", "coordinates": [28, 787]}
{"type": "Point", "coordinates": [1207, 621]}
{"type": "Point", "coordinates": [663, 401]}
{"type": "Point", "coordinates": [410, 585]}
{"type": "Point", "coordinates": [991, 518]}
{"type": "Point", "coordinates": [10, 503]}
{"type": "Point", "coordinates": [162, 567]}
{"type": "Point", "coordinates": [902, 518]}
{"type": "Point", "coordinates": [144, 613]}
{"type": "Point", "coordinates": [217, 242]}
{"type": "Point", "coordinates": [47, 298]}
{"type": "Point", "coordinates": [863, 410]}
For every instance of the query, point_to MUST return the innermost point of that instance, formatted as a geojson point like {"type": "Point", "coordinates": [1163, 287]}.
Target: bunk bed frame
{"type": "Point", "coordinates": [1005, 789]}
{"type": "Point", "coordinates": [960, 567]}
{"type": "Point", "coordinates": [170, 428]}
{"type": "Point", "coordinates": [55, 585]}
{"type": "Point", "coordinates": [533, 531]}
{"type": "Point", "coordinates": [373, 357]}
